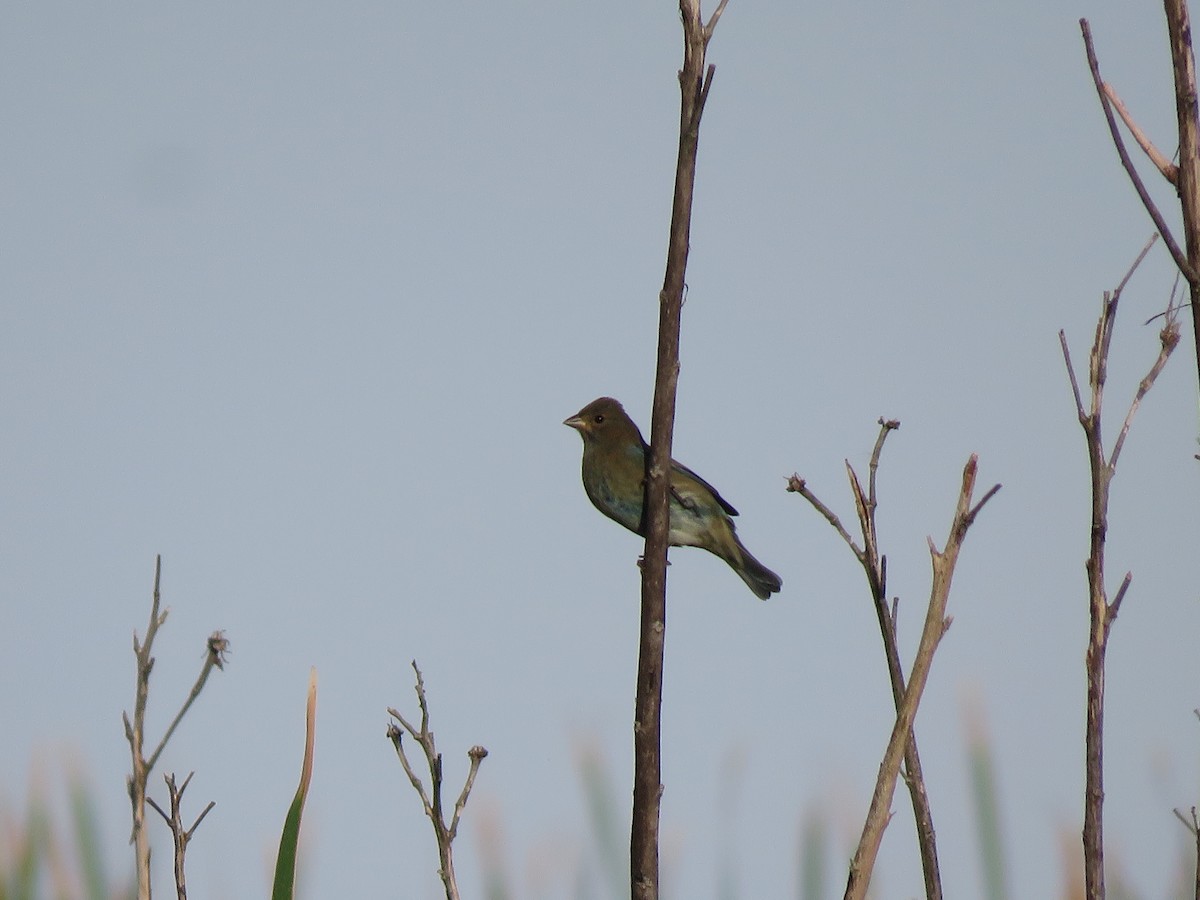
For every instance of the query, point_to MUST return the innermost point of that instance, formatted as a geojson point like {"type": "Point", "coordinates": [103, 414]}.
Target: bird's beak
{"type": "Point", "coordinates": [574, 422]}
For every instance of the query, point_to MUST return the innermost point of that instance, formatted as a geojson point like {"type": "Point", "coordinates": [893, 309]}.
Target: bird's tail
{"type": "Point", "coordinates": [758, 577]}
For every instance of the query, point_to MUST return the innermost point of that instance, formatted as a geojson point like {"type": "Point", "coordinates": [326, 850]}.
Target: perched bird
{"type": "Point", "coordinates": [615, 463]}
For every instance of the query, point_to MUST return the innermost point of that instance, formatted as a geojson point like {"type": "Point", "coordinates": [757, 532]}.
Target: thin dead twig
{"type": "Point", "coordinates": [874, 565]}
{"type": "Point", "coordinates": [936, 625]}
{"type": "Point", "coordinates": [432, 801]}
{"type": "Point", "coordinates": [1193, 828]}
{"type": "Point", "coordinates": [1169, 170]}
{"type": "Point", "coordinates": [1186, 175]}
{"type": "Point", "coordinates": [217, 648]}
{"type": "Point", "coordinates": [1151, 208]}
{"type": "Point", "coordinates": [180, 836]}
{"type": "Point", "coordinates": [1102, 612]}
{"type": "Point", "coordinates": [797, 485]}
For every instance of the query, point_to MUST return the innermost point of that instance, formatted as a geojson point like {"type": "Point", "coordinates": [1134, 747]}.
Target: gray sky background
{"type": "Point", "coordinates": [298, 295]}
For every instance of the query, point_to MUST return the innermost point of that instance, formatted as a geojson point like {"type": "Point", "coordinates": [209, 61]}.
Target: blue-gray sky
{"type": "Point", "coordinates": [298, 296]}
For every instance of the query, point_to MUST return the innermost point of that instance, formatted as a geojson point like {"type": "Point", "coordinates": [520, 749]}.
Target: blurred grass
{"type": "Point", "coordinates": [53, 850]}
{"type": "Point", "coordinates": [608, 830]}
{"type": "Point", "coordinates": [814, 850]}
{"type": "Point", "coordinates": [87, 841]}
{"type": "Point", "coordinates": [987, 806]}
{"type": "Point", "coordinates": [42, 858]}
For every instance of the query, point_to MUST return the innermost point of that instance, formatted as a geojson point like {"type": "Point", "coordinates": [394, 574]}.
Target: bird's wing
{"type": "Point", "coordinates": [681, 469]}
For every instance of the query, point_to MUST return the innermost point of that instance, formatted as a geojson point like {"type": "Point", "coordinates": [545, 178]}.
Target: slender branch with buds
{"type": "Point", "coordinates": [874, 564]}
{"type": "Point", "coordinates": [217, 648]}
{"type": "Point", "coordinates": [1102, 612]}
{"type": "Point", "coordinates": [443, 832]}
{"type": "Point", "coordinates": [180, 835]}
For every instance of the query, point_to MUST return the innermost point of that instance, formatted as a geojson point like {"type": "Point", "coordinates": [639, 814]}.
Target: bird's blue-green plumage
{"type": "Point", "coordinates": [615, 459]}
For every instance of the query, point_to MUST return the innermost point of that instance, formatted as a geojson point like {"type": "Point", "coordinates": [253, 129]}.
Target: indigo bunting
{"type": "Point", "coordinates": [615, 464]}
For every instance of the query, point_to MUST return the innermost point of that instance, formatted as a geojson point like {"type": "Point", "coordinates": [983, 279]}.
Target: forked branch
{"type": "Point", "coordinates": [1135, 179]}
{"type": "Point", "coordinates": [444, 832]}
{"type": "Point", "coordinates": [180, 835]}
{"type": "Point", "coordinates": [1185, 177]}
{"type": "Point", "coordinates": [936, 624]}
{"type": "Point", "coordinates": [874, 565]}
{"type": "Point", "coordinates": [1102, 612]}
{"type": "Point", "coordinates": [217, 649]}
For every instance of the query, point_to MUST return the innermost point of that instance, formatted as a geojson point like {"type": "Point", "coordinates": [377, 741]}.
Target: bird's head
{"type": "Point", "coordinates": [604, 420]}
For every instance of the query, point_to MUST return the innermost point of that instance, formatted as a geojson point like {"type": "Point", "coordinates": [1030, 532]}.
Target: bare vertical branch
{"type": "Point", "coordinates": [135, 729]}
{"type": "Point", "coordinates": [443, 832]}
{"type": "Point", "coordinates": [135, 735]}
{"type": "Point", "coordinates": [1193, 828]}
{"type": "Point", "coordinates": [180, 835]}
{"type": "Point", "coordinates": [1183, 64]}
{"type": "Point", "coordinates": [694, 83]}
{"type": "Point", "coordinates": [1102, 613]}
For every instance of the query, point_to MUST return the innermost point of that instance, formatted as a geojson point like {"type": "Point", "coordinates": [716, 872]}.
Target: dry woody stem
{"type": "Point", "coordinates": [432, 801]}
{"type": "Point", "coordinates": [694, 83]}
{"type": "Point", "coordinates": [216, 650]}
{"type": "Point", "coordinates": [1184, 177]}
{"type": "Point", "coordinates": [875, 566]}
{"type": "Point", "coordinates": [179, 834]}
{"type": "Point", "coordinates": [1193, 827]}
{"type": "Point", "coordinates": [902, 743]}
{"type": "Point", "coordinates": [936, 623]}
{"type": "Point", "coordinates": [1102, 612]}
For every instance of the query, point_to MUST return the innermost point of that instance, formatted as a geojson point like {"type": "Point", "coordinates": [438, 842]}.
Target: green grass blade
{"type": "Point", "coordinates": [285, 865]}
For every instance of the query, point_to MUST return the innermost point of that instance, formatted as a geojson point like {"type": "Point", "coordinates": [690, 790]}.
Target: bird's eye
{"type": "Point", "coordinates": [598, 418]}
